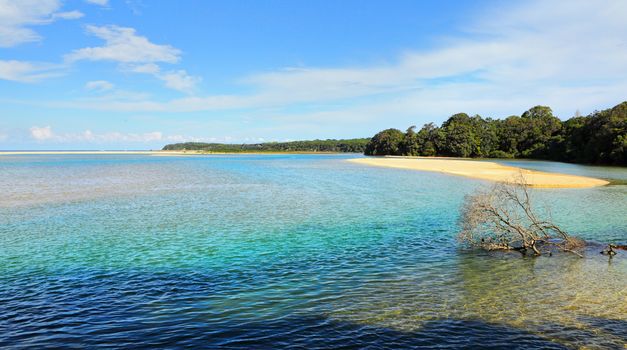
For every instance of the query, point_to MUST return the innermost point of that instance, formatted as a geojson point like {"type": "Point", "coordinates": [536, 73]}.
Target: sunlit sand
{"type": "Point", "coordinates": [484, 170]}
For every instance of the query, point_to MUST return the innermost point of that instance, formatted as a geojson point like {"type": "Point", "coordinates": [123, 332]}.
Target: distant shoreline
{"type": "Point", "coordinates": [483, 170]}
{"type": "Point", "coordinates": [4, 153]}
{"type": "Point", "coordinates": [156, 153]}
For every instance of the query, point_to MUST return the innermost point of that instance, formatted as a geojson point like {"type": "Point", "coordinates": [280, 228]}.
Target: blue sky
{"type": "Point", "coordinates": [137, 74]}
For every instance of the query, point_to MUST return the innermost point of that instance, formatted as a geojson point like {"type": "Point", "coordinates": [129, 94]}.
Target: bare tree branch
{"type": "Point", "coordinates": [503, 218]}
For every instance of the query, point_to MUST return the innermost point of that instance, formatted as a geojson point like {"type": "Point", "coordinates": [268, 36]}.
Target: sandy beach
{"type": "Point", "coordinates": [484, 170]}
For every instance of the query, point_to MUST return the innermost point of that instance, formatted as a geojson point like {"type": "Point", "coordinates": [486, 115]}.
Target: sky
{"type": "Point", "coordinates": [139, 74]}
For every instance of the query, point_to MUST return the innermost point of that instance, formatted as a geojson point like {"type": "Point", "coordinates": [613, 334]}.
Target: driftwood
{"type": "Point", "coordinates": [503, 218]}
{"type": "Point", "coordinates": [611, 249]}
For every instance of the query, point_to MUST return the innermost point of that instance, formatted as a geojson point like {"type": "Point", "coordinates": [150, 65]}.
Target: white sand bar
{"type": "Point", "coordinates": [483, 170]}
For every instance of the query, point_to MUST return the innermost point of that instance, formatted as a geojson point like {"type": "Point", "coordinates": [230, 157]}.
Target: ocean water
{"type": "Point", "coordinates": [289, 251]}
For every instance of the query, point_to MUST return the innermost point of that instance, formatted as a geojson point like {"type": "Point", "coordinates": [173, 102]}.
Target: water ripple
{"type": "Point", "coordinates": [284, 252]}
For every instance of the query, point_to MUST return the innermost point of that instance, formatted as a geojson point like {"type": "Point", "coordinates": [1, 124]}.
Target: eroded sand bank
{"type": "Point", "coordinates": [484, 170]}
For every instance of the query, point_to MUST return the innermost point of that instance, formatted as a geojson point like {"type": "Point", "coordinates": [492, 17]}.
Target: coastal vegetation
{"type": "Point", "coordinates": [599, 138]}
{"type": "Point", "coordinates": [347, 146]}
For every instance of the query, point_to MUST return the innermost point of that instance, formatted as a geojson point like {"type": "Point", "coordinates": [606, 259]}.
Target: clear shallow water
{"type": "Point", "coordinates": [277, 251]}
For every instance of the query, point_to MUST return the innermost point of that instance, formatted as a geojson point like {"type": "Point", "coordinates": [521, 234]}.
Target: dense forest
{"type": "Point", "coordinates": [351, 146]}
{"type": "Point", "coordinates": [599, 138]}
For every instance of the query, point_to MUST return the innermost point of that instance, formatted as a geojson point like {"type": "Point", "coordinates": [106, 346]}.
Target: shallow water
{"type": "Point", "coordinates": [278, 251]}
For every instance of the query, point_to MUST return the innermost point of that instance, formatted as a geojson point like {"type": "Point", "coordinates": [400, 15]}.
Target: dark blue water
{"type": "Point", "coordinates": [287, 251]}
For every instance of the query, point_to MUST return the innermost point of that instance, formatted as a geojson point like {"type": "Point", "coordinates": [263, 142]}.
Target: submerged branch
{"type": "Point", "coordinates": [504, 218]}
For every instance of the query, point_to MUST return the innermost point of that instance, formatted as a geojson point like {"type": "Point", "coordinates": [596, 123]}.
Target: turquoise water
{"type": "Point", "coordinates": [289, 251]}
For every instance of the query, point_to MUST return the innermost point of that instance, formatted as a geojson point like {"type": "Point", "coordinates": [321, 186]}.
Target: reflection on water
{"type": "Point", "coordinates": [286, 251]}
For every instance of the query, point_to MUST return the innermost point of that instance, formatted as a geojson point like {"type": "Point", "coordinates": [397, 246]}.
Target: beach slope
{"type": "Point", "coordinates": [484, 170]}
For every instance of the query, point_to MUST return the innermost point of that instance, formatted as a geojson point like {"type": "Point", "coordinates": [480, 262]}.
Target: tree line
{"type": "Point", "coordinates": [599, 138]}
{"type": "Point", "coordinates": [348, 146]}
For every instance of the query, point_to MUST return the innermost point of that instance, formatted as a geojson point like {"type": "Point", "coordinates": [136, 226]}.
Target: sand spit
{"type": "Point", "coordinates": [483, 170]}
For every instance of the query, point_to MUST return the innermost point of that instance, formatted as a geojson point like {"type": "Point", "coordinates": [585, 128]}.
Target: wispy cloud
{"type": "Point", "coordinates": [175, 79]}
{"type": "Point", "coordinates": [67, 15]}
{"type": "Point", "coordinates": [123, 45]}
{"type": "Point", "coordinates": [46, 134]}
{"type": "Point", "coordinates": [99, 85]}
{"type": "Point", "coordinates": [28, 72]}
{"type": "Point", "coordinates": [16, 18]}
{"type": "Point", "coordinates": [537, 52]}
{"type": "Point", "coordinates": [179, 80]}
{"type": "Point", "coordinates": [98, 2]}
{"type": "Point", "coordinates": [136, 54]}
{"type": "Point", "coordinates": [41, 133]}
{"type": "Point", "coordinates": [505, 61]}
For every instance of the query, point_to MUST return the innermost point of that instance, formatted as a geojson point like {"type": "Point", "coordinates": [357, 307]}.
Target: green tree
{"type": "Point", "coordinates": [386, 142]}
{"type": "Point", "coordinates": [570, 148]}
{"type": "Point", "coordinates": [509, 134]}
{"type": "Point", "coordinates": [599, 138]}
{"type": "Point", "coordinates": [605, 133]}
{"type": "Point", "coordinates": [428, 139]}
{"type": "Point", "coordinates": [540, 130]}
{"type": "Point", "coordinates": [485, 131]}
{"type": "Point", "coordinates": [460, 139]}
{"type": "Point", "coordinates": [409, 146]}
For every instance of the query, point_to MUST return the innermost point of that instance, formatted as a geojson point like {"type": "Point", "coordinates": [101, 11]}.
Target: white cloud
{"type": "Point", "coordinates": [98, 2]}
{"type": "Point", "coordinates": [67, 15]}
{"type": "Point", "coordinates": [114, 137]}
{"type": "Point", "coordinates": [148, 68]}
{"type": "Point", "coordinates": [17, 16]}
{"type": "Point", "coordinates": [46, 134]}
{"type": "Point", "coordinates": [136, 54]}
{"type": "Point", "coordinates": [99, 85]}
{"type": "Point", "coordinates": [176, 79]}
{"type": "Point", "coordinates": [502, 64]}
{"type": "Point", "coordinates": [125, 46]}
{"type": "Point", "coordinates": [16, 70]}
{"type": "Point", "coordinates": [41, 133]}
{"type": "Point", "coordinates": [179, 80]}
{"type": "Point", "coordinates": [27, 72]}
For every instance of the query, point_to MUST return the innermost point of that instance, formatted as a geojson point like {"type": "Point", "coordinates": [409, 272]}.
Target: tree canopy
{"type": "Point", "coordinates": [350, 145]}
{"type": "Point", "coordinates": [599, 138]}
{"type": "Point", "coordinates": [386, 142]}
